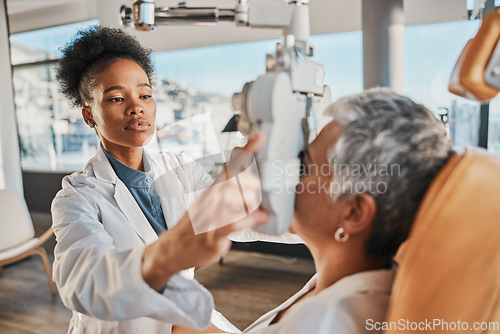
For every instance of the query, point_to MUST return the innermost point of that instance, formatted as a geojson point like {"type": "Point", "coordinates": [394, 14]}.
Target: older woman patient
{"type": "Point", "coordinates": [362, 182]}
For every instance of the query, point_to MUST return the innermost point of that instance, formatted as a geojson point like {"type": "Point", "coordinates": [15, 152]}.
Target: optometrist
{"type": "Point", "coordinates": [125, 242]}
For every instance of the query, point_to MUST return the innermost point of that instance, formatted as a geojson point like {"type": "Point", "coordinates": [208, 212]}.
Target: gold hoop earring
{"type": "Point", "coordinates": [341, 235]}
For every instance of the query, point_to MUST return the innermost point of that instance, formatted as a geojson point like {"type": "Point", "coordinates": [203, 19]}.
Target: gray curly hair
{"type": "Point", "coordinates": [392, 148]}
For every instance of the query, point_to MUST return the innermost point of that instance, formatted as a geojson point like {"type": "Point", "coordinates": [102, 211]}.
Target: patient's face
{"type": "Point", "coordinates": [314, 211]}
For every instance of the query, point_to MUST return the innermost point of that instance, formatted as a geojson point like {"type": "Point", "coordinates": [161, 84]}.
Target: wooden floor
{"type": "Point", "coordinates": [248, 285]}
{"type": "Point", "coordinates": [244, 287]}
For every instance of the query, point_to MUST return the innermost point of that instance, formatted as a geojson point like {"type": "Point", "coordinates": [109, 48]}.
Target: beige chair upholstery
{"type": "Point", "coordinates": [17, 236]}
{"type": "Point", "coordinates": [468, 77]}
{"type": "Point", "coordinates": [449, 268]}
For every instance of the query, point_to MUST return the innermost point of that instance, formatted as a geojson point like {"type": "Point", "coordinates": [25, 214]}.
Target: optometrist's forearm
{"type": "Point", "coordinates": [180, 248]}
{"type": "Point", "coordinates": [159, 262]}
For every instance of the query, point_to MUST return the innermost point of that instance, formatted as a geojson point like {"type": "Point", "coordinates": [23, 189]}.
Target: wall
{"type": "Point", "coordinates": [10, 163]}
{"type": "Point", "coordinates": [40, 189]}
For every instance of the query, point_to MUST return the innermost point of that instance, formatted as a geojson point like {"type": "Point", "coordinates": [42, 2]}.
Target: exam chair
{"type": "Point", "coordinates": [449, 267]}
{"type": "Point", "coordinates": [17, 235]}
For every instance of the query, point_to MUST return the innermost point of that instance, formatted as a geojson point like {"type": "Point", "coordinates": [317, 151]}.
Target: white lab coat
{"type": "Point", "coordinates": [101, 235]}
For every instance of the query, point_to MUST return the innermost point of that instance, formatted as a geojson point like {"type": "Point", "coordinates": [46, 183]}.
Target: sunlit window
{"type": "Point", "coordinates": [52, 135]}
{"type": "Point", "coordinates": [43, 44]}
{"type": "Point", "coordinates": [201, 81]}
{"type": "Point", "coordinates": [193, 94]}
{"type": "Point", "coordinates": [494, 126]}
{"type": "Point", "coordinates": [431, 52]}
{"type": "Point", "coordinates": [194, 88]}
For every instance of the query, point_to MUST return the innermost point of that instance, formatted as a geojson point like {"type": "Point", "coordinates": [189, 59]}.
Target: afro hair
{"type": "Point", "coordinates": [89, 51]}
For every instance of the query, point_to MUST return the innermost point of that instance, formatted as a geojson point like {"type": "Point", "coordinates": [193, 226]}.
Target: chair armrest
{"type": "Point", "coordinates": [45, 236]}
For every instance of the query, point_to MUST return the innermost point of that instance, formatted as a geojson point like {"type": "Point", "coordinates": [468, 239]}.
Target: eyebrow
{"type": "Point", "coordinates": [143, 84]}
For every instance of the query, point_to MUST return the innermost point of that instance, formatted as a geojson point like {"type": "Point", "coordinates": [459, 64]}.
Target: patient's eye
{"type": "Point", "coordinates": [304, 167]}
{"type": "Point", "coordinates": [117, 99]}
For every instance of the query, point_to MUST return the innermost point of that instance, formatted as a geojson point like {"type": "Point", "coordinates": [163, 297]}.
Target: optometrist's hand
{"type": "Point", "coordinates": [201, 236]}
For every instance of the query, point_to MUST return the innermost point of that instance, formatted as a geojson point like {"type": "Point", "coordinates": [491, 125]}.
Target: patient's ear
{"type": "Point", "coordinates": [358, 215]}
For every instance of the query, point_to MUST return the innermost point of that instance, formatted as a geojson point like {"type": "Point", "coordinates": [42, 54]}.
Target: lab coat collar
{"type": "Point", "coordinates": [169, 187]}
{"type": "Point", "coordinates": [134, 214]}
{"type": "Point", "coordinates": [104, 171]}
{"type": "Point", "coordinates": [102, 168]}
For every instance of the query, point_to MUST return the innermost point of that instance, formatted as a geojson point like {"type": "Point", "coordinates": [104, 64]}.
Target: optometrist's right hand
{"type": "Point", "coordinates": [201, 236]}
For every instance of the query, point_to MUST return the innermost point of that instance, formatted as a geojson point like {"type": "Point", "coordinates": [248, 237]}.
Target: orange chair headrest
{"type": "Point", "coordinates": [450, 265]}
{"type": "Point", "coordinates": [475, 75]}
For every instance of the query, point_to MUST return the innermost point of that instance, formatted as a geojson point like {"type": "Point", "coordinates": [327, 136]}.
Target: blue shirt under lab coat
{"type": "Point", "coordinates": [140, 185]}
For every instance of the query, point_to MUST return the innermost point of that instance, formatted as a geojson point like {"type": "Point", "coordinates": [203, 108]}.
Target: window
{"type": "Point", "coordinates": [194, 88]}
{"type": "Point", "coordinates": [193, 94]}
{"type": "Point", "coordinates": [43, 44]}
{"type": "Point", "coordinates": [342, 56]}
{"type": "Point", "coordinates": [52, 134]}
{"type": "Point", "coordinates": [431, 52]}
{"type": "Point", "coordinates": [201, 81]}
{"type": "Point", "coordinates": [494, 126]}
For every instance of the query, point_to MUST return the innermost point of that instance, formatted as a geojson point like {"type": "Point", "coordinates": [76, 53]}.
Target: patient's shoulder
{"type": "Point", "coordinates": [347, 306]}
